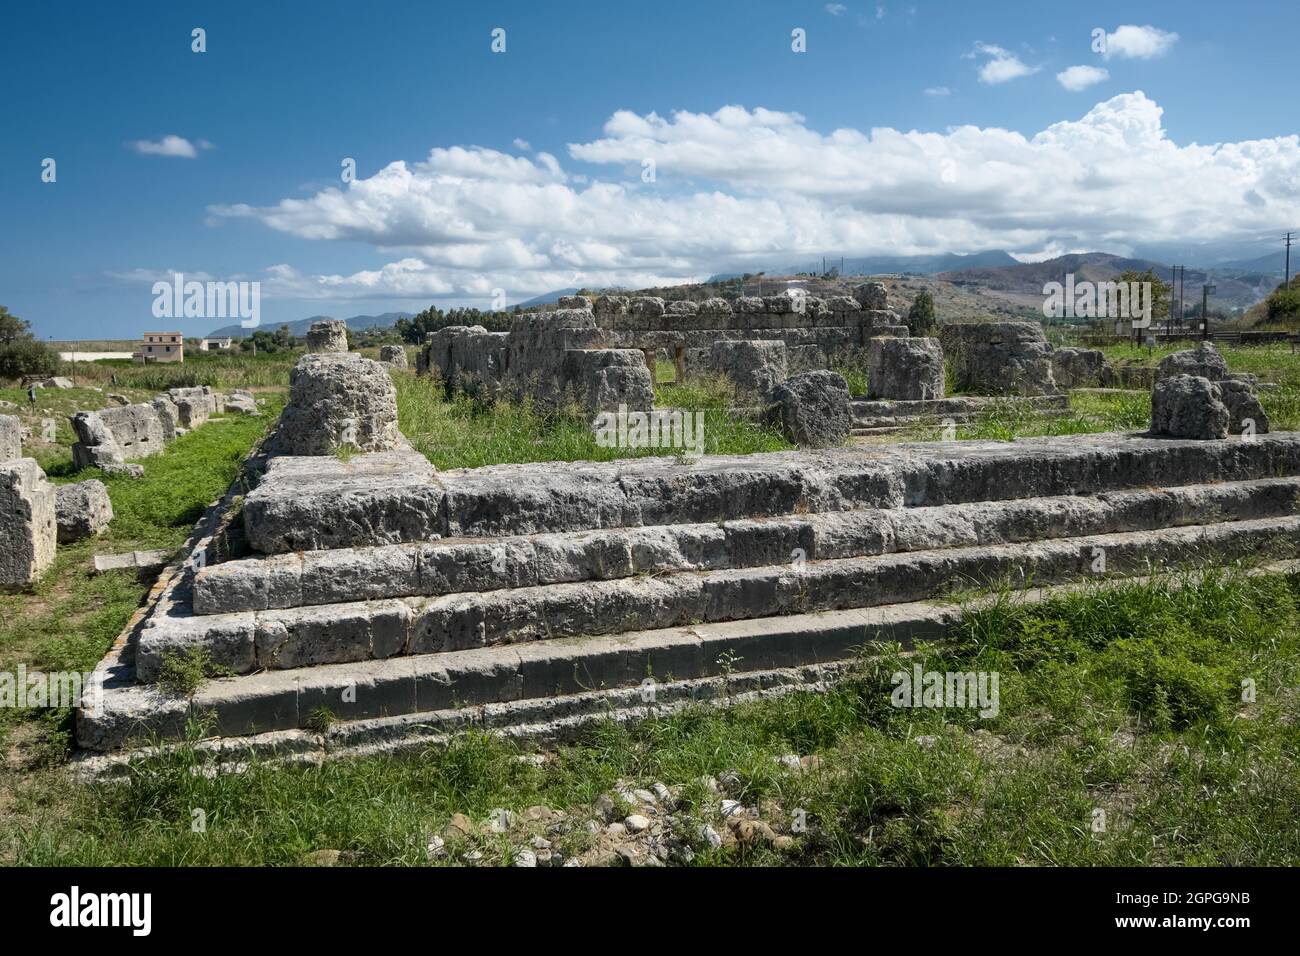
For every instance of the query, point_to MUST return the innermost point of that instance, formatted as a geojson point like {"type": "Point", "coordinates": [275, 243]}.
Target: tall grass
{"type": "Point", "coordinates": [466, 433]}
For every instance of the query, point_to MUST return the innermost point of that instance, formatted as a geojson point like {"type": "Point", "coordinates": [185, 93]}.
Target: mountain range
{"type": "Point", "coordinates": [357, 323]}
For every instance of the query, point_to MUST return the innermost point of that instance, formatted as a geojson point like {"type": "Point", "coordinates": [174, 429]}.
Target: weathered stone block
{"type": "Point", "coordinates": [83, 510]}
{"type": "Point", "coordinates": [1080, 368]}
{"type": "Point", "coordinates": [811, 409]}
{"type": "Point", "coordinates": [872, 296]}
{"type": "Point", "coordinates": [999, 358]}
{"type": "Point", "coordinates": [115, 435]}
{"type": "Point", "coordinates": [1204, 361]}
{"type": "Point", "coordinates": [1188, 406]}
{"type": "Point", "coordinates": [907, 369]}
{"type": "Point", "coordinates": [335, 401]}
{"type": "Point", "coordinates": [28, 529]}
{"type": "Point", "coordinates": [11, 437]}
{"type": "Point", "coordinates": [393, 355]}
{"type": "Point", "coordinates": [329, 335]}
{"type": "Point", "coordinates": [754, 367]}
{"type": "Point", "coordinates": [1244, 409]}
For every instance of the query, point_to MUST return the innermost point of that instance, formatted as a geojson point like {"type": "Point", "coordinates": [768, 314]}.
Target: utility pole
{"type": "Point", "coordinates": [1182, 288]}
{"type": "Point", "coordinates": [1206, 291]}
{"type": "Point", "coordinates": [1287, 239]}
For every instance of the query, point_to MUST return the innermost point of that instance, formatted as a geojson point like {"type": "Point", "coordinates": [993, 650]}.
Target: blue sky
{"type": "Point", "coordinates": [904, 127]}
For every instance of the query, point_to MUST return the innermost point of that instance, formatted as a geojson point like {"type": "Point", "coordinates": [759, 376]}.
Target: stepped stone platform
{"type": "Point", "coordinates": [877, 415]}
{"type": "Point", "coordinates": [406, 602]}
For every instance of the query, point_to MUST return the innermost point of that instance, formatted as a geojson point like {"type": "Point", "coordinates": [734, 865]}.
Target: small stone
{"type": "Point", "coordinates": [925, 741]}
{"type": "Point", "coordinates": [322, 858]}
{"type": "Point", "coordinates": [616, 829]}
{"type": "Point", "coordinates": [539, 814]}
{"type": "Point", "coordinates": [604, 807]}
{"type": "Point", "coordinates": [636, 823]}
{"type": "Point", "coordinates": [459, 826]}
{"type": "Point", "coordinates": [710, 836]}
{"type": "Point", "coordinates": [790, 762]}
{"type": "Point", "coordinates": [499, 820]}
{"type": "Point", "coordinates": [436, 848]}
{"type": "Point", "coordinates": [525, 858]}
{"type": "Point", "coordinates": [731, 807]}
{"type": "Point", "coordinates": [645, 796]}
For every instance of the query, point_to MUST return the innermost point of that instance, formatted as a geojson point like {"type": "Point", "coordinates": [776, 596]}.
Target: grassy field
{"type": "Point", "coordinates": [1124, 706]}
{"type": "Point", "coordinates": [1122, 739]}
{"type": "Point", "coordinates": [464, 433]}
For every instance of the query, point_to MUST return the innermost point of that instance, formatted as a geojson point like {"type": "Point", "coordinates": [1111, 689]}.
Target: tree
{"type": "Point", "coordinates": [1160, 291]}
{"type": "Point", "coordinates": [417, 328]}
{"type": "Point", "coordinates": [21, 353]}
{"type": "Point", "coordinates": [1283, 304]}
{"type": "Point", "coordinates": [920, 317]}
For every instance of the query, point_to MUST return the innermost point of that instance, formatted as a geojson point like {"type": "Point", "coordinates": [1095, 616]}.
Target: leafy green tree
{"type": "Point", "coordinates": [21, 353]}
{"type": "Point", "coordinates": [1283, 304]}
{"type": "Point", "coordinates": [1160, 291]}
{"type": "Point", "coordinates": [920, 317]}
{"type": "Point", "coordinates": [417, 328]}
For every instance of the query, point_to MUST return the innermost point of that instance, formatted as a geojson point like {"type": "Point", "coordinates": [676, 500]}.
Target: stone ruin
{"type": "Point", "coordinates": [549, 358]}
{"type": "Point", "coordinates": [905, 368]}
{"type": "Point", "coordinates": [817, 333]}
{"type": "Point", "coordinates": [1001, 358]}
{"type": "Point", "coordinates": [409, 602]}
{"type": "Point", "coordinates": [337, 400]}
{"type": "Point", "coordinates": [393, 355]}
{"type": "Point", "coordinates": [28, 530]}
{"type": "Point", "coordinates": [328, 335]}
{"type": "Point", "coordinates": [1196, 396]}
{"type": "Point", "coordinates": [36, 516]}
{"type": "Point", "coordinates": [112, 438]}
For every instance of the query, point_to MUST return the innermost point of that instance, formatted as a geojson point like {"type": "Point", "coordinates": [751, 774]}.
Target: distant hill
{"type": "Point", "coordinates": [357, 323]}
{"type": "Point", "coordinates": [546, 298]}
{"type": "Point", "coordinates": [885, 265]}
{"type": "Point", "coordinates": [1235, 289]}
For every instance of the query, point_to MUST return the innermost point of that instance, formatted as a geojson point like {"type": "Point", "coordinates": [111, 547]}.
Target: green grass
{"type": "Point", "coordinates": [1126, 700]}
{"type": "Point", "coordinates": [464, 433]}
{"type": "Point", "coordinates": [69, 618]}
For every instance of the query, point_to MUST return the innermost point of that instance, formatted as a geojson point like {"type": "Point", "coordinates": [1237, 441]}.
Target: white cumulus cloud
{"type": "Point", "coordinates": [999, 65]}
{"type": "Point", "coordinates": [170, 145]}
{"type": "Point", "coordinates": [1131, 42]}
{"type": "Point", "coordinates": [1077, 78]}
{"type": "Point", "coordinates": [739, 189]}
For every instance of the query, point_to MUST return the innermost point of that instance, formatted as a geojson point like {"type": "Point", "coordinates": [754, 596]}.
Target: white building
{"type": "Point", "coordinates": [216, 345]}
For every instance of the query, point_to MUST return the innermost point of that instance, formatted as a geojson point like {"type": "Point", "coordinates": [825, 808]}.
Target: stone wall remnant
{"type": "Point", "coordinates": [393, 355]}
{"type": "Point", "coordinates": [905, 368]}
{"type": "Point", "coordinates": [111, 436]}
{"type": "Point", "coordinates": [11, 437]}
{"type": "Point", "coordinates": [999, 358]}
{"type": "Point", "coordinates": [754, 366]}
{"type": "Point", "coordinates": [28, 531]}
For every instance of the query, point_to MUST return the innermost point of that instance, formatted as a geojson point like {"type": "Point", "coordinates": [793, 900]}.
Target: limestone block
{"type": "Point", "coordinates": [28, 527]}
{"type": "Point", "coordinates": [83, 510]}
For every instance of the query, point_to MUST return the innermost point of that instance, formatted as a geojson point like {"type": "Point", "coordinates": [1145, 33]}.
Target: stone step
{"type": "Point", "coordinates": [865, 411]}
{"type": "Point", "coordinates": [297, 512]}
{"type": "Point", "coordinates": [341, 633]}
{"type": "Point", "coordinates": [456, 565]}
{"type": "Point", "coordinates": [888, 425]}
{"type": "Point", "coordinates": [544, 688]}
